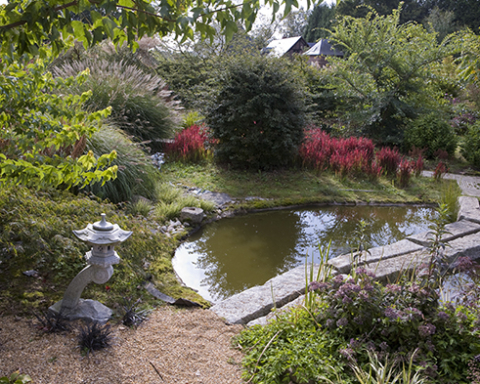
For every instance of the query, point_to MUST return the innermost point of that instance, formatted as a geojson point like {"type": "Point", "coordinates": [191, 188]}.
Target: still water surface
{"type": "Point", "coordinates": [237, 253]}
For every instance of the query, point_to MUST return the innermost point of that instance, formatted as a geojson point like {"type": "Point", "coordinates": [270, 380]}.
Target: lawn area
{"type": "Point", "coordinates": [299, 186]}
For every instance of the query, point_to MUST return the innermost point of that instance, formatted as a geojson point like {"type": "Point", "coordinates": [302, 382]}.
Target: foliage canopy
{"type": "Point", "coordinates": [259, 114]}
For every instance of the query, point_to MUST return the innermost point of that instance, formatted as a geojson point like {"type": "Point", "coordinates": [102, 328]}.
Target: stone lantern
{"type": "Point", "coordinates": [102, 236]}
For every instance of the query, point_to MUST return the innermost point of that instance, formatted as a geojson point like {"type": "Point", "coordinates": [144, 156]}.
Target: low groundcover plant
{"type": "Point", "coordinates": [355, 318]}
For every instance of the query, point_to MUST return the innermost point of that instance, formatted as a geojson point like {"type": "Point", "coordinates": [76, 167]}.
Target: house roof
{"type": "Point", "coordinates": [280, 47]}
{"type": "Point", "coordinates": [323, 47]}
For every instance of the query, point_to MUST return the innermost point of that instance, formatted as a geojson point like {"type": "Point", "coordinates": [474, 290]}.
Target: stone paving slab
{"type": "Point", "coordinates": [469, 209]}
{"type": "Point", "coordinates": [388, 271]}
{"type": "Point", "coordinates": [258, 301]}
{"type": "Point", "coordinates": [468, 246]}
{"type": "Point", "coordinates": [455, 230]}
{"type": "Point", "coordinates": [343, 263]}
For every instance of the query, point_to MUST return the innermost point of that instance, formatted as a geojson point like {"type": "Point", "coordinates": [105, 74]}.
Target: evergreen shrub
{"type": "Point", "coordinates": [432, 133]}
{"type": "Point", "coordinates": [471, 144]}
{"type": "Point", "coordinates": [258, 115]}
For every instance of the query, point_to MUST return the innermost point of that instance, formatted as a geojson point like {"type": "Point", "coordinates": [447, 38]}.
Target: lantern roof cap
{"type": "Point", "coordinates": [102, 233]}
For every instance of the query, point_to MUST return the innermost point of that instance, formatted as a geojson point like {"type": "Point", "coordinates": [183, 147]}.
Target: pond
{"type": "Point", "coordinates": [234, 254]}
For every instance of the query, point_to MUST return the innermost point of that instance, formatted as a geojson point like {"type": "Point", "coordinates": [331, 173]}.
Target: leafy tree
{"type": "Point", "coordinates": [37, 126]}
{"type": "Point", "coordinates": [43, 134]}
{"type": "Point", "coordinates": [295, 23]}
{"type": "Point", "coordinates": [440, 22]}
{"type": "Point", "coordinates": [258, 115]}
{"type": "Point", "coordinates": [320, 20]}
{"type": "Point", "coordinates": [412, 10]}
{"type": "Point", "coordinates": [385, 78]}
{"type": "Point", "coordinates": [467, 12]}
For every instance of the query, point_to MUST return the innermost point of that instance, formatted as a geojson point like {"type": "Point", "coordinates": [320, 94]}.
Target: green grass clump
{"type": "Point", "coordinates": [136, 174]}
{"type": "Point", "coordinates": [141, 104]}
{"type": "Point", "coordinates": [171, 201]}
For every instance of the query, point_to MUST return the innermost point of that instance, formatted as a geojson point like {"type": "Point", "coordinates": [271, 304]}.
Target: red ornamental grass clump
{"type": "Point", "coordinates": [189, 144]}
{"type": "Point", "coordinates": [348, 157]}
{"type": "Point", "coordinates": [317, 149]}
{"type": "Point", "coordinates": [389, 160]}
{"type": "Point", "coordinates": [405, 169]}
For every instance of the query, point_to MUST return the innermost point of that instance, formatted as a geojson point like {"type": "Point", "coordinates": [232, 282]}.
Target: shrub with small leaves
{"type": "Point", "coordinates": [258, 115]}
{"type": "Point", "coordinates": [471, 144]}
{"type": "Point", "coordinates": [432, 133]}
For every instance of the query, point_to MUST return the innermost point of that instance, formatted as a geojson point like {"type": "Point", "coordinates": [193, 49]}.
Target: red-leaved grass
{"type": "Point", "coordinates": [405, 169]}
{"type": "Point", "coordinates": [440, 171]}
{"type": "Point", "coordinates": [389, 159]}
{"type": "Point", "coordinates": [347, 157]}
{"type": "Point", "coordinates": [190, 144]}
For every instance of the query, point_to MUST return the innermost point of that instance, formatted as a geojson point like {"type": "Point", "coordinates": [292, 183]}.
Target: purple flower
{"type": "Point", "coordinates": [383, 345]}
{"type": "Point", "coordinates": [342, 322]}
{"type": "Point", "coordinates": [317, 286]}
{"type": "Point", "coordinates": [346, 300]}
{"type": "Point", "coordinates": [393, 288]}
{"type": "Point", "coordinates": [426, 330]}
{"type": "Point", "coordinates": [354, 344]}
{"type": "Point", "coordinates": [358, 320]}
{"type": "Point", "coordinates": [391, 313]}
{"type": "Point", "coordinates": [443, 316]}
{"type": "Point", "coordinates": [430, 346]}
{"type": "Point", "coordinates": [338, 280]}
{"type": "Point", "coordinates": [329, 323]}
{"type": "Point", "coordinates": [347, 353]}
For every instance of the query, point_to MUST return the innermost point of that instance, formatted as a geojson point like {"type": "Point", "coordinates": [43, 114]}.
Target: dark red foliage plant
{"type": "Point", "coordinates": [347, 157]}
{"type": "Point", "coordinates": [191, 144]}
{"type": "Point", "coordinates": [389, 159]}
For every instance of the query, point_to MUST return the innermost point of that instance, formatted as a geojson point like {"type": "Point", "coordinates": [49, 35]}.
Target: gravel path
{"type": "Point", "coordinates": [172, 346]}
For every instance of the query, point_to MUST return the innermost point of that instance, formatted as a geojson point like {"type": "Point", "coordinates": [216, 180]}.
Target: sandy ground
{"type": "Point", "coordinates": [171, 346]}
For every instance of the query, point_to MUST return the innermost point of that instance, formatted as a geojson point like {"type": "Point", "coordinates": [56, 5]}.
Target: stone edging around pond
{"type": "Point", "coordinates": [253, 305]}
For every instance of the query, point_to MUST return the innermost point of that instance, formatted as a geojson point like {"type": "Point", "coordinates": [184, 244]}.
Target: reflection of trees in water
{"type": "Point", "coordinates": [385, 225]}
{"type": "Point", "coordinates": [241, 252]}
{"type": "Point", "coordinates": [246, 251]}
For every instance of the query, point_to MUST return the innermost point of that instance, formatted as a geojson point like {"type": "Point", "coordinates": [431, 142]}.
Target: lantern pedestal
{"type": "Point", "coordinates": [102, 236]}
{"type": "Point", "coordinates": [87, 310]}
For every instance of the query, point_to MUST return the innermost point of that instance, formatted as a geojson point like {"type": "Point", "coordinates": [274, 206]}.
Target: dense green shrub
{"type": "Point", "coordinates": [136, 174]}
{"type": "Point", "coordinates": [471, 144]}
{"type": "Point", "coordinates": [432, 133]}
{"type": "Point", "coordinates": [141, 104]}
{"type": "Point", "coordinates": [258, 115]}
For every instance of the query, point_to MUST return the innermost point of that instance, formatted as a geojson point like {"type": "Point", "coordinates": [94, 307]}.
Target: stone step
{"type": "Point", "coordinates": [256, 302]}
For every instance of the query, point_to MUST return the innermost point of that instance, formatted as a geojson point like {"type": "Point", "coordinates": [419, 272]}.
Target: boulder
{"type": "Point", "coordinates": [192, 215]}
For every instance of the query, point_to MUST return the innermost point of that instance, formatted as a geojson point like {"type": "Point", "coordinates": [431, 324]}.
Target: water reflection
{"type": "Point", "coordinates": [234, 254]}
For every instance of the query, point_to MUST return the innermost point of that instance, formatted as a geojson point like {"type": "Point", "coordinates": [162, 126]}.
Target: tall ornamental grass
{"type": "Point", "coordinates": [136, 174]}
{"type": "Point", "coordinates": [141, 104]}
